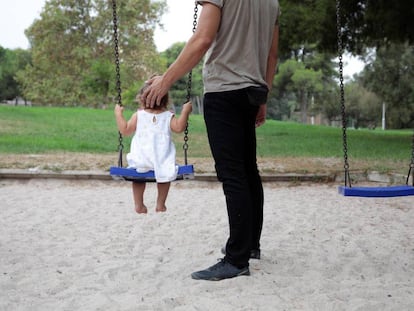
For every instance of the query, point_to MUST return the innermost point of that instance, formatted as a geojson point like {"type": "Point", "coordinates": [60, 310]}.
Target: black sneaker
{"type": "Point", "coordinates": [219, 271]}
{"type": "Point", "coordinates": [254, 253]}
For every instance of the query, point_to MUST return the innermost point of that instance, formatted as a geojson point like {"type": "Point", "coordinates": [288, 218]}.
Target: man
{"type": "Point", "coordinates": [239, 39]}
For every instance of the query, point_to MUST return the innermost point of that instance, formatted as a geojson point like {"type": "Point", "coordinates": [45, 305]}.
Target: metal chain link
{"type": "Point", "coordinates": [118, 76]}
{"type": "Point", "coordinates": [189, 84]}
{"type": "Point", "coordinates": [342, 92]}
{"type": "Point", "coordinates": [411, 170]}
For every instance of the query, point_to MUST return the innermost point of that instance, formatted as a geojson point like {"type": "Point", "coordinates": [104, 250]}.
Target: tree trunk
{"type": "Point", "coordinates": [303, 107]}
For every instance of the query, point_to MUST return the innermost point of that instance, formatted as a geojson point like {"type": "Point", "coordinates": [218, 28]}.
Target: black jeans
{"type": "Point", "coordinates": [230, 120]}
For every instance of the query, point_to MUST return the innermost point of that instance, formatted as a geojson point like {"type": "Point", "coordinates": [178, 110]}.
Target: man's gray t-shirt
{"type": "Point", "coordinates": [238, 56]}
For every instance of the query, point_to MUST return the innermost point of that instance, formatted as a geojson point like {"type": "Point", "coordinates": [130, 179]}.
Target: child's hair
{"type": "Point", "coordinates": [164, 101]}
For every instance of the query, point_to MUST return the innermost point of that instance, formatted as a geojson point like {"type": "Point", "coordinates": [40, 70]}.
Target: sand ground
{"type": "Point", "coordinates": [78, 245]}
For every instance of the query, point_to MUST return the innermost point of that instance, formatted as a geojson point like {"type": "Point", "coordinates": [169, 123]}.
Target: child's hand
{"type": "Point", "coordinates": [118, 109]}
{"type": "Point", "coordinates": [187, 107]}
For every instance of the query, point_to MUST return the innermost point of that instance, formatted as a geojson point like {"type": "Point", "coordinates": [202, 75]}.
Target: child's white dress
{"type": "Point", "coordinates": [152, 147]}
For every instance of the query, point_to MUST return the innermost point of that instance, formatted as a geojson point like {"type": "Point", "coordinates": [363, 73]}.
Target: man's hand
{"type": "Point", "coordinates": [261, 115]}
{"type": "Point", "coordinates": [156, 90]}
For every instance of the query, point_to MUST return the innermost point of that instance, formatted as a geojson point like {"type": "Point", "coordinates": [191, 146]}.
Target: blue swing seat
{"type": "Point", "coordinates": [377, 192]}
{"type": "Point", "coordinates": [130, 174]}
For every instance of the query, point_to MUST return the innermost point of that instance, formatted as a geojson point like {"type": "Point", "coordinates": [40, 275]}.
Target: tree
{"type": "Point", "coordinates": [376, 23]}
{"type": "Point", "coordinates": [73, 38]}
{"type": "Point", "coordinates": [98, 80]}
{"type": "Point", "coordinates": [391, 77]}
{"type": "Point", "coordinates": [363, 107]}
{"type": "Point", "coordinates": [303, 23]}
{"type": "Point", "coordinates": [365, 23]}
{"type": "Point", "coordinates": [310, 26]}
{"type": "Point", "coordinates": [11, 61]}
{"type": "Point", "coordinates": [297, 83]}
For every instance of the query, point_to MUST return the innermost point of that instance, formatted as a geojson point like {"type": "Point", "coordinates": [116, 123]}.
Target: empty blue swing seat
{"type": "Point", "coordinates": [130, 174]}
{"type": "Point", "coordinates": [377, 192]}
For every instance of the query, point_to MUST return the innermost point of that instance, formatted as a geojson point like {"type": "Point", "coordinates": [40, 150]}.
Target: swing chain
{"type": "Point", "coordinates": [189, 84]}
{"type": "Point", "coordinates": [118, 80]}
{"type": "Point", "coordinates": [118, 76]}
{"type": "Point", "coordinates": [342, 92]}
{"type": "Point", "coordinates": [411, 170]}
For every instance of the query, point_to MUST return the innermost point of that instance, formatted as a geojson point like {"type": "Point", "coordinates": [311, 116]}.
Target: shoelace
{"type": "Point", "coordinates": [221, 262]}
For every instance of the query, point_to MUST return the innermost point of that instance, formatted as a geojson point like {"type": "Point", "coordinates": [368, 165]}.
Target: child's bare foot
{"type": "Point", "coordinates": [141, 209]}
{"type": "Point", "coordinates": [162, 208]}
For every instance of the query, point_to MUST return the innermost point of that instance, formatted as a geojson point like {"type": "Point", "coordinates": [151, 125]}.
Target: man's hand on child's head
{"type": "Point", "coordinates": [148, 96]}
{"type": "Point", "coordinates": [155, 92]}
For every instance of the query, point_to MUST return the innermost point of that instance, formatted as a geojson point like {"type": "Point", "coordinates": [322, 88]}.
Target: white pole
{"type": "Point", "coordinates": [312, 117]}
{"type": "Point", "coordinates": [383, 116]}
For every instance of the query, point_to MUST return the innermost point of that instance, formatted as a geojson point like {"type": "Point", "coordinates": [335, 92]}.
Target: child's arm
{"type": "Point", "coordinates": [178, 124]}
{"type": "Point", "coordinates": [124, 127]}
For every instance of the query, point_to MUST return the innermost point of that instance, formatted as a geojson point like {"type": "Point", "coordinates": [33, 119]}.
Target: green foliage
{"type": "Point", "coordinates": [97, 81]}
{"type": "Point", "coordinates": [11, 61]}
{"type": "Point", "coordinates": [297, 81]}
{"type": "Point", "coordinates": [303, 23]}
{"type": "Point", "coordinates": [366, 23]}
{"type": "Point", "coordinates": [72, 50]}
{"type": "Point", "coordinates": [391, 76]}
{"type": "Point", "coordinates": [363, 108]}
{"type": "Point", "coordinates": [375, 23]}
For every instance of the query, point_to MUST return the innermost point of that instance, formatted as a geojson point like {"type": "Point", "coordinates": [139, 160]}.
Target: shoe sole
{"type": "Point", "coordinates": [245, 272]}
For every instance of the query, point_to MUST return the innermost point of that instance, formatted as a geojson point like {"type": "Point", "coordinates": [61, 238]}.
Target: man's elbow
{"type": "Point", "coordinates": [203, 43]}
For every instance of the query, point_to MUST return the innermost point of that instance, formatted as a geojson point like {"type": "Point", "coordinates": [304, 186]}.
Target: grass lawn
{"type": "Point", "coordinates": [51, 130]}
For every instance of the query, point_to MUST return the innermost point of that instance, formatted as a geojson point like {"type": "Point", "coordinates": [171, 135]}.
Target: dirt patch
{"type": "Point", "coordinates": [58, 161]}
{"type": "Point", "coordinates": [88, 161]}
